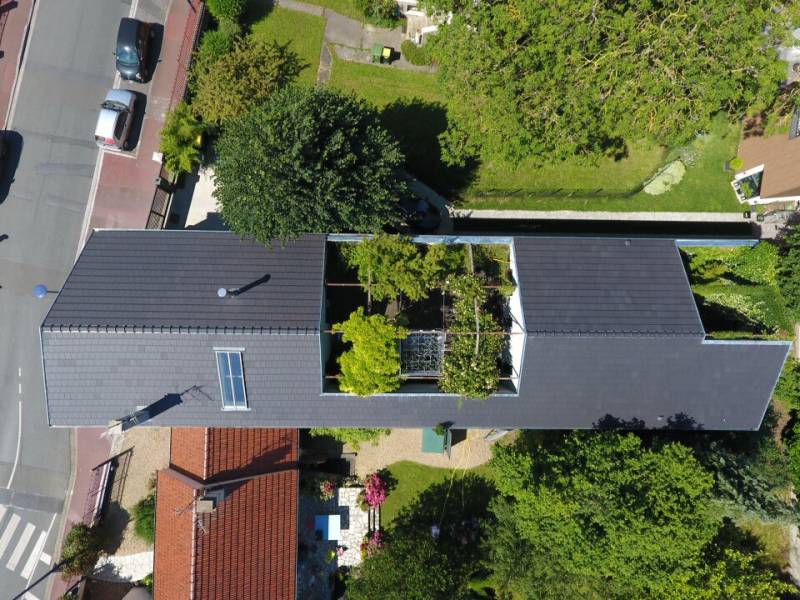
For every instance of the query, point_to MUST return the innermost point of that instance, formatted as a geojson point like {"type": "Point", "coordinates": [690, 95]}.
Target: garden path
{"type": "Point", "coordinates": [351, 39]}
{"type": "Point", "coordinates": [406, 444]}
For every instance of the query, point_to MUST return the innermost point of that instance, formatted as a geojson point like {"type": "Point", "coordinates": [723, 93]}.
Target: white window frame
{"type": "Point", "coordinates": [238, 352]}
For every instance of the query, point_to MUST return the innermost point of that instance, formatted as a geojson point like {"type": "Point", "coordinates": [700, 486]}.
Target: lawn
{"type": "Point", "coordinates": [569, 185]}
{"type": "Point", "coordinates": [412, 478]}
{"type": "Point", "coordinates": [343, 7]}
{"type": "Point", "coordinates": [303, 33]}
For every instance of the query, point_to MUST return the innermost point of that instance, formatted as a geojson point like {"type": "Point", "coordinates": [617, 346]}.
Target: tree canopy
{"type": "Point", "coordinates": [551, 80]}
{"type": "Point", "coordinates": [242, 79]}
{"type": "Point", "coordinates": [179, 139]}
{"type": "Point", "coordinates": [309, 160]}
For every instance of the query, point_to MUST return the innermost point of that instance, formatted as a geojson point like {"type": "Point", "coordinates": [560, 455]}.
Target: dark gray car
{"type": "Point", "coordinates": [133, 41]}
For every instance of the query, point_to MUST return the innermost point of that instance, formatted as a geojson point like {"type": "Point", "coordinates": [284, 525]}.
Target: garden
{"type": "Point", "coordinates": [419, 317]}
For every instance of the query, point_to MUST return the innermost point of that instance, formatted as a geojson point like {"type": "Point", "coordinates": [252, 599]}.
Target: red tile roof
{"type": "Point", "coordinates": [247, 547]}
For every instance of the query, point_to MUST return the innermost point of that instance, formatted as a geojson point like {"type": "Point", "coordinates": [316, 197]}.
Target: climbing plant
{"type": "Point", "coordinates": [372, 364]}
{"type": "Point", "coordinates": [471, 361]}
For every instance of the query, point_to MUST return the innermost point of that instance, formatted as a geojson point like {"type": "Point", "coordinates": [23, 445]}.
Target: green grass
{"type": "Point", "coordinates": [774, 537]}
{"type": "Point", "coordinates": [303, 33]}
{"type": "Point", "coordinates": [413, 478]}
{"type": "Point", "coordinates": [569, 185]}
{"type": "Point", "coordinates": [382, 85]}
{"type": "Point", "coordinates": [705, 187]}
{"type": "Point", "coordinates": [343, 7]}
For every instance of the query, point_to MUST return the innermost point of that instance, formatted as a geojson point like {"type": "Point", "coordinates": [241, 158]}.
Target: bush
{"type": "Point", "coordinates": [372, 365]}
{"type": "Point", "coordinates": [80, 552]}
{"type": "Point", "coordinates": [179, 139]}
{"type": "Point", "coordinates": [214, 45]}
{"type": "Point", "coordinates": [226, 9]}
{"type": "Point", "coordinates": [794, 455]}
{"type": "Point", "coordinates": [789, 270]}
{"type": "Point", "coordinates": [354, 436]}
{"type": "Point", "coordinates": [736, 163]}
{"type": "Point", "coordinates": [416, 55]}
{"type": "Point", "coordinates": [144, 515]}
{"type": "Point", "coordinates": [381, 11]}
{"type": "Point", "coordinates": [788, 388]}
{"type": "Point", "coordinates": [244, 78]}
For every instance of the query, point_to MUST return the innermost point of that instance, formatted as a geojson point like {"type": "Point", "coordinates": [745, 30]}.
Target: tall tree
{"type": "Point", "coordinates": [578, 77]}
{"type": "Point", "coordinates": [309, 160]}
{"type": "Point", "coordinates": [242, 79]}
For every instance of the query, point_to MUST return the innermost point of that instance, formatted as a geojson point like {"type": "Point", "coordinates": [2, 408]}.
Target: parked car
{"type": "Point", "coordinates": [133, 42]}
{"type": "Point", "coordinates": [114, 121]}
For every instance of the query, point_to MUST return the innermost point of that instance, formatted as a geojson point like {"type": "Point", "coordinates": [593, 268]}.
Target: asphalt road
{"type": "Point", "coordinates": [68, 69]}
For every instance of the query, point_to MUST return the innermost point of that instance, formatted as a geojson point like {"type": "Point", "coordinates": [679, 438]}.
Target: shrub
{"type": "Point", "coordinates": [372, 365]}
{"type": "Point", "coordinates": [80, 552]}
{"type": "Point", "coordinates": [736, 163]}
{"type": "Point", "coordinates": [371, 544]}
{"type": "Point", "coordinates": [416, 55]}
{"type": "Point", "coordinates": [353, 436]}
{"type": "Point", "coordinates": [179, 139]}
{"type": "Point", "coordinates": [242, 79]}
{"type": "Point", "coordinates": [226, 9]}
{"type": "Point", "coordinates": [374, 490]}
{"type": "Point", "coordinates": [214, 45]}
{"type": "Point", "coordinates": [750, 310]}
{"type": "Point", "coordinates": [144, 516]}
{"type": "Point", "coordinates": [381, 11]}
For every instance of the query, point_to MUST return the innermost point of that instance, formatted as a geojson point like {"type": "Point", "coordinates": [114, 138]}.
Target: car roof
{"type": "Point", "coordinates": [106, 122]}
{"type": "Point", "coordinates": [124, 97]}
{"type": "Point", "coordinates": [126, 35]}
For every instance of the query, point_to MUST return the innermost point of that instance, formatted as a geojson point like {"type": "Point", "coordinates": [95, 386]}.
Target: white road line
{"type": "Point", "coordinates": [19, 371]}
{"type": "Point", "coordinates": [26, 536]}
{"type": "Point", "coordinates": [19, 388]}
{"type": "Point", "coordinates": [42, 556]}
{"type": "Point", "coordinates": [46, 558]}
{"type": "Point", "coordinates": [29, 596]}
{"type": "Point", "coordinates": [36, 553]}
{"type": "Point", "coordinates": [19, 445]}
{"type": "Point", "coordinates": [6, 537]}
{"type": "Point", "coordinates": [2, 513]}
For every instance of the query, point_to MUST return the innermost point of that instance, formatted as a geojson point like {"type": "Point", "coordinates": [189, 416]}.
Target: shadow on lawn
{"type": "Point", "coordinates": [417, 124]}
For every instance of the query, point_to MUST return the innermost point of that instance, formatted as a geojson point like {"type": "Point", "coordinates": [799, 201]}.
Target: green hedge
{"type": "Point", "coordinates": [416, 55]}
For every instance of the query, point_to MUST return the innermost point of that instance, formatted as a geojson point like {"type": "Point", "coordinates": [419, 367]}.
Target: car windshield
{"type": "Point", "coordinates": [127, 55]}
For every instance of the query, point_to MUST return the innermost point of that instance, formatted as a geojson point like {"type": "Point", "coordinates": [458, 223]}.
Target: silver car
{"type": "Point", "coordinates": [114, 121]}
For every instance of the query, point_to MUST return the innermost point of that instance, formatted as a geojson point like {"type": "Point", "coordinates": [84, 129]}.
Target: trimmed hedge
{"type": "Point", "coordinates": [416, 55]}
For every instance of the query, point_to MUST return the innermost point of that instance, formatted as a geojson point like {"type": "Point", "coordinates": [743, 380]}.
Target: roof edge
{"type": "Point", "coordinates": [178, 329]}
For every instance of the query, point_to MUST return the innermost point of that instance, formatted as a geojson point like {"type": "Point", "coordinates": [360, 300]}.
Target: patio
{"type": "Point", "coordinates": [321, 555]}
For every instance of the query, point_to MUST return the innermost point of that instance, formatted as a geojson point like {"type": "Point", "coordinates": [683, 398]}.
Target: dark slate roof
{"type": "Point", "coordinates": [614, 359]}
{"type": "Point", "coordinates": [604, 285]}
{"type": "Point", "coordinates": [567, 382]}
{"type": "Point", "coordinates": [156, 279]}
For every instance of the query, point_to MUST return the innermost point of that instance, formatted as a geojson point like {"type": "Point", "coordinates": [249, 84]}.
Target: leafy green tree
{"type": "Point", "coordinates": [789, 269]}
{"type": "Point", "coordinates": [391, 265]}
{"type": "Point", "coordinates": [551, 80]}
{"type": "Point", "coordinates": [382, 12]}
{"type": "Point", "coordinates": [226, 9]}
{"type": "Point", "coordinates": [80, 551]}
{"type": "Point", "coordinates": [179, 139]}
{"type": "Point", "coordinates": [214, 44]}
{"type": "Point", "coordinates": [597, 515]}
{"type": "Point", "coordinates": [736, 575]}
{"type": "Point", "coordinates": [409, 568]}
{"type": "Point", "coordinates": [310, 160]}
{"type": "Point", "coordinates": [354, 436]}
{"type": "Point", "coordinates": [788, 388]}
{"type": "Point", "coordinates": [372, 365]}
{"type": "Point", "coordinates": [242, 79]}
{"type": "Point", "coordinates": [144, 517]}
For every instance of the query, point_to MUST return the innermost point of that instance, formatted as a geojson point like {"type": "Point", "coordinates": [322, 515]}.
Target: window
{"type": "Point", "coordinates": [231, 379]}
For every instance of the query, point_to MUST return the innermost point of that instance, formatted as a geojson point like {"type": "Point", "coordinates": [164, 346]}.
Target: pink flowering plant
{"type": "Point", "coordinates": [327, 489]}
{"type": "Point", "coordinates": [374, 490]}
{"type": "Point", "coordinates": [371, 544]}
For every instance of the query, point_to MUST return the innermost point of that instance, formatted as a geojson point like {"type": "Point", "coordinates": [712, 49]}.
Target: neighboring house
{"type": "Point", "coordinates": [605, 331]}
{"type": "Point", "coordinates": [771, 165]}
{"type": "Point", "coordinates": [226, 516]}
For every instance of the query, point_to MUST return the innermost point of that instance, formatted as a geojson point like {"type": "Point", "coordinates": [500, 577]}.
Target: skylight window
{"type": "Point", "coordinates": [231, 379]}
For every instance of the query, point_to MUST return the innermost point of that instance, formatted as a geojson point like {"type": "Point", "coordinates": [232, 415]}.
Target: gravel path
{"type": "Point", "coordinates": [406, 444]}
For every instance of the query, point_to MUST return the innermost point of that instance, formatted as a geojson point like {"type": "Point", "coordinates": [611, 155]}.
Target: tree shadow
{"type": "Point", "coordinates": [12, 144]}
{"type": "Point", "coordinates": [112, 528]}
{"type": "Point", "coordinates": [417, 124]}
{"type": "Point", "coordinates": [717, 317]}
{"type": "Point", "coordinates": [256, 10]}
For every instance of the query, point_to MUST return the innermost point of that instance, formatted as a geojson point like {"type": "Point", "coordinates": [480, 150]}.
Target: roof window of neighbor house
{"type": "Point", "coordinates": [231, 379]}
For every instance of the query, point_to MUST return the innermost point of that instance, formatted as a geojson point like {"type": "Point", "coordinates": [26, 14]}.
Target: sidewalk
{"type": "Point", "coordinates": [14, 18]}
{"type": "Point", "coordinates": [126, 185]}
{"type": "Point", "coordinates": [587, 215]}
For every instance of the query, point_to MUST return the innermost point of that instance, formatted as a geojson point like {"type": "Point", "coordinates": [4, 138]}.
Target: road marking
{"type": "Point", "coordinates": [27, 534]}
{"type": "Point", "coordinates": [46, 558]}
{"type": "Point", "coordinates": [6, 537]}
{"type": "Point", "coordinates": [2, 513]}
{"type": "Point", "coordinates": [43, 555]}
{"type": "Point", "coordinates": [19, 372]}
{"type": "Point", "coordinates": [19, 445]}
{"type": "Point", "coordinates": [12, 106]}
{"type": "Point", "coordinates": [19, 388]}
{"type": "Point", "coordinates": [29, 596]}
{"type": "Point", "coordinates": [36, 554]}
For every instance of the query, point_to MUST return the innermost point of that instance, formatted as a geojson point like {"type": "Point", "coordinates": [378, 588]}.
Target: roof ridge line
{"type": "Point", "coordinates": [178, 329]}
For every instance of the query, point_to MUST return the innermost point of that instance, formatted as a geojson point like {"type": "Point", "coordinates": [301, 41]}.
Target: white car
{"type": "Point", "coordinates": [114, 121]}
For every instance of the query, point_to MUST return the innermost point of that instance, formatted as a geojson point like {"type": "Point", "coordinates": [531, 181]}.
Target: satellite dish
{"type": "Point", "coordinates": [40, 290]}
{"type": "Point", "coordinates": [222, 292]}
